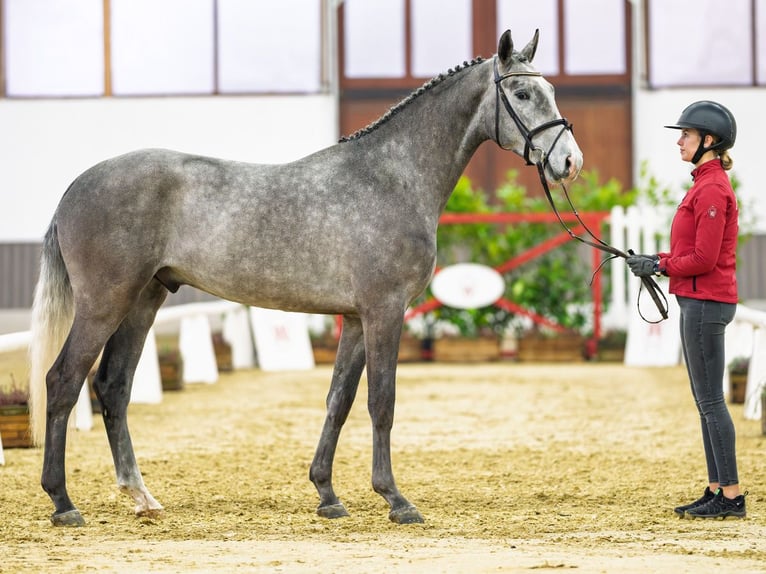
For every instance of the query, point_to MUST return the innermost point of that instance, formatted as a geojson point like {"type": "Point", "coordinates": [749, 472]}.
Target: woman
{"type": "Point", "coordinates": [701, 266]}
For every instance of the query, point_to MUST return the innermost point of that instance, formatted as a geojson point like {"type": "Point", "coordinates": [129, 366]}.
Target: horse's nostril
{"type": "Point", "coordinates": [571, 166]}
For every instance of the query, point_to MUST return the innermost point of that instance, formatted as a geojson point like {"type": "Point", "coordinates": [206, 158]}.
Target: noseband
{"type": "Point", "coordinates": [541, 160]}
{"type": "Point", "coordinates": [526, 133]}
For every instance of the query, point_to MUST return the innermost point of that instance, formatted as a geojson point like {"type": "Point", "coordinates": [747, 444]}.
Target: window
{"type": "Point", "coordinates": [374, 39]}
{"type": "Point", "coordinates": [54, 48]}
{"type": "Point", "coordinates": [62, 48]}
{"type": "Point", "coordinates": [269, 46]}
{"type": "Point", "coordinates": [401, 43]}
{"type": "Point", "coordinates": [692, 43]}
{"type": "Point", "coordinates": [514, 15]}
{"type": "Point", "coordinates": [162, 47]}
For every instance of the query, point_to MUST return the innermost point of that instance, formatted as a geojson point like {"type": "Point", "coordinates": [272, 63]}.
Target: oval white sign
{"type": "Point", "coordinates": [467, 286]}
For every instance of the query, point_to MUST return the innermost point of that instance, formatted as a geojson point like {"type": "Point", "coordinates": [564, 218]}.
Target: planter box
{"type": "Point", "coordinates": [737, 388]}
{"type": "Point", "coordinates": [324, 355]}
{"type": "Point", "coordinates": [557, 349]}
{"type": "Point", "coordinates": [14, 426]}
{"type": "Point", "coordinates": [763, 413]}
{"type": "Point", "coordinates": [465, 350]}
{"type": "Point", "coordinates": [611, 355]}
{"type": "Point", "coordinates": [410, 350]}
{"type": "Point", "coordinates": [171, 370]}
{"type": "Point", "coordinates": [222, 353]}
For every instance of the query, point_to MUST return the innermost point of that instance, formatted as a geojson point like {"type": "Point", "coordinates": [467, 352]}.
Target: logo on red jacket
{"type": "Point", "coordinates": [712, 211]}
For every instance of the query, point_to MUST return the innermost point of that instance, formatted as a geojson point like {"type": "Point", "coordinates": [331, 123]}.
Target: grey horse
{"type": "Point", "coordinates": [349, 230]}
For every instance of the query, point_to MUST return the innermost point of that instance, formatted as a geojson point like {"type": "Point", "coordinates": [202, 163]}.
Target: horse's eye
{"type": "Point", "coordinates": [522, 94]}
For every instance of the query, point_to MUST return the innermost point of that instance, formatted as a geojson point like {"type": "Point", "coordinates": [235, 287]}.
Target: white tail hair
{"type": "Point", "coordinates": [52, 314]}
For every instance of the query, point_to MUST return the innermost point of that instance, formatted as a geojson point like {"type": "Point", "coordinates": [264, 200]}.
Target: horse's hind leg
{"type": "Point", "coordinates": [349, 364]}
{"type": "Point", "coordinates": [113, 383]}
{"type": "Point", "coordinates": [63, 383]}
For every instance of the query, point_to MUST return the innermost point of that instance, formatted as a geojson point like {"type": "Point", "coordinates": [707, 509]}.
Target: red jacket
{"type": "Point", "coordinates": [703, 239]}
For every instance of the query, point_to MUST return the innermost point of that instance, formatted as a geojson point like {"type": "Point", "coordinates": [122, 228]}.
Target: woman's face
{"type": "Point", "coordinates": [688, 142]}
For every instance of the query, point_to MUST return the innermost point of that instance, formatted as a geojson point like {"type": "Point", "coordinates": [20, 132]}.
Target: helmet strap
{"type": "Point", "coordinates": [702, 150]}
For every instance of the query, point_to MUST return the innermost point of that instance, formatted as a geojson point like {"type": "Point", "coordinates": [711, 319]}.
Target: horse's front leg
{"type": "Point", "coordinates": [382, 337]}
{"type": "Point", "coordinates": [349, 363]}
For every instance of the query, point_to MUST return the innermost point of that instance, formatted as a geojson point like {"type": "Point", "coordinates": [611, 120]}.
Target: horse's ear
{"type": "Point", "coordinates": [528, 53]}
{"type": "Point", "coordinates": [505, 48]}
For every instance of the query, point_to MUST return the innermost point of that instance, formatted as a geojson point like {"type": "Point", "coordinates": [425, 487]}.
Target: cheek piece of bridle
{"type": "Point", "coordinates": [540, 159]}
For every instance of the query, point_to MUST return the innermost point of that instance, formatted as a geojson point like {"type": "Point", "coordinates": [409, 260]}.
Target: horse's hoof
{"type": "Point", "coordinates": [332, 511]}
{"type": "Point", "coordinates": [68, 518]}
{"type": "Point", "coordinates": [406, 515]}
{"type": "Point", "coordinates": [151, 513]}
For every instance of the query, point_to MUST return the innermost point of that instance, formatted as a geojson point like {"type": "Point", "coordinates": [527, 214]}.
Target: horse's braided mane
{"type": "Point", "coordinates": [414, 95]}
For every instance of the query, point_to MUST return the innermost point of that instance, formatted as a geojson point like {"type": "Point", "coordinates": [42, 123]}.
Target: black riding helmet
{"type": "Point", "coordinates": [709, 118]}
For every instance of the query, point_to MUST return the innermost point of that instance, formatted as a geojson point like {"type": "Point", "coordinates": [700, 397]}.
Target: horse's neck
{"type": "Point", "coordinates": [433, 137]}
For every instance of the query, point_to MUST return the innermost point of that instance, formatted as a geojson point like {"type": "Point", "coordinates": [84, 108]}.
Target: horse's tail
{"type": "Point", "coordinates": [52, 312]}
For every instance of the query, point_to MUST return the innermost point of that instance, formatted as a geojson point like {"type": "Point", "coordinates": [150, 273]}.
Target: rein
{"type": "Point", "coordinates": [541, 159]}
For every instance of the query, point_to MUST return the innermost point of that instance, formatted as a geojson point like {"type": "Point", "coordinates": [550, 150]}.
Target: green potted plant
{"type": "Point", "coordinates": [738, 368]}
{"type": "Point", "coordinates": [14, 416]}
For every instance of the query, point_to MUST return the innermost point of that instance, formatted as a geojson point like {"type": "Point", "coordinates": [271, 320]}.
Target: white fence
{"type": "Point", "coordinates": [645, 230]}
{"type": "Point", "coordinates": [746, 337]}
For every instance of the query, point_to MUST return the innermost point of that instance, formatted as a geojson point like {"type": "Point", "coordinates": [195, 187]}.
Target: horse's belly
{"type": "Point", "coordinates": [277, 284]}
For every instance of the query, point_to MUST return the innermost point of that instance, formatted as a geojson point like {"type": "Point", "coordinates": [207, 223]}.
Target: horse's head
{"type": "Point", "coordinates": [526, 118]}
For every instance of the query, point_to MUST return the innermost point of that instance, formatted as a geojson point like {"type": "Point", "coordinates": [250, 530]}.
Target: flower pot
{"type": "Point", "coordinates": [171, 370]}
{"type": "Point", "coordinates": [737, 387]}
{"type": "Point", "coordinates": [763, 413]}
{"type": "Point", "coordinates": [222, 353]}
{"type": "Point", "coordinates": [14, 426]}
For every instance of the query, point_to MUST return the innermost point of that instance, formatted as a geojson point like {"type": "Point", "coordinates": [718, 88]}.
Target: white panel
{"type": "Point", "coordinates": [54, 47]}
{"type": "Point", "coordinates": [760, 38]}
{"type": "Point", "coordinates": [594, 37]}
{"type": "Point", "coordinates": [441, 35]}
{"type": "Point", "coordinates": [374, 39]}
{"type": "Point", "coordinates": [162, 47]}
{"type": "Point", "coordinates": [692, 42]}
{"type": "Point", "coordinates": [282, 340]}
{"type": "Point", "coordinates": [515, 15]}
{"type": "Point", "coordinates": [269, 47]}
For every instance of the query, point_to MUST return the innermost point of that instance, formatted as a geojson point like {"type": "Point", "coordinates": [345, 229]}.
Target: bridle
{"type": "Point", "coordinates": [526, 133]}
{"type": "Point", "coordinates": [541, 160]}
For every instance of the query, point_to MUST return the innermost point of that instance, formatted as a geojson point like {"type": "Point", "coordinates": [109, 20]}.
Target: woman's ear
{"type": "Point", "coordinates": [709, 140]}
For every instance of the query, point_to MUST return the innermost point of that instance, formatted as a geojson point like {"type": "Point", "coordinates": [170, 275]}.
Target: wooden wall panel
{"type": "Point", "coordinates": [601, 126]}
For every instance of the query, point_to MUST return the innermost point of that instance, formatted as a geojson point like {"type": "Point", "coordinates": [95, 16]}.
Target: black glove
{"type": "Point", "coordinates": [642, 265]}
